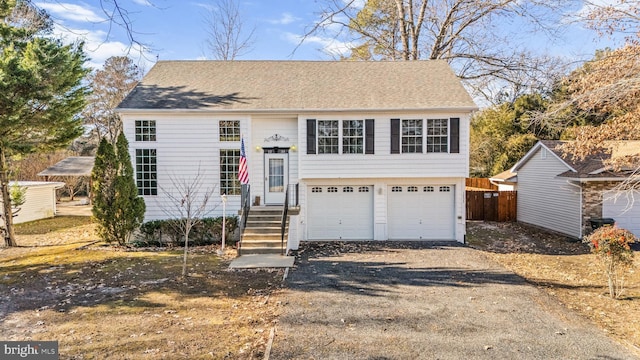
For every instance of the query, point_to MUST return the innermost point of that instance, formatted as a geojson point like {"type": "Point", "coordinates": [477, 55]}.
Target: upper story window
{"type": "Point", "coordinates": [145, 130]}
{"type": "Point", "coordinates": [229, 130]}
{"type": "Point", "coordinates": [146, 172]}
{"type": "Point", "coordinates": [328, 136]}
{"type": "Point", "coordinates": [340, 136]}
{"type": "Point", "coordinates": [418, 136]}
{"type": "Point", "coordinates": [437, 135]}
{"type": "Point", "coordinates": [412, 136]}
{"type": "Point", "coordinates": [353, 137]}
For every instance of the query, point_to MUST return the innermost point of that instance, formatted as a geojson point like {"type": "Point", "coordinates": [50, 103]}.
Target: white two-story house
{"type": "Point", "coordinates": [372, 150]}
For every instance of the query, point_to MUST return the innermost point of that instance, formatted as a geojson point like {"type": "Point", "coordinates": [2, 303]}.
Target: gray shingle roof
{"type": "Point", "coordinates": [593, 166]}
{"type": "Point", "coordinates": [299, 85]}
{"type": "Point", "coordinates": [71, 166]}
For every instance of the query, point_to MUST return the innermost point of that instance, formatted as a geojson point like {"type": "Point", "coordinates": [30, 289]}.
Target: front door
{"type": "Point", "coordinates": [275, 180]}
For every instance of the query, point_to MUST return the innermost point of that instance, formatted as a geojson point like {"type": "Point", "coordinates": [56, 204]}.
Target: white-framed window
{"type": "Point", "coordinates": [353, 136]}
{"type": "Point", "coordinates": [363, 189]}
{"type": "Point", "coordinates": [229, 162]}
{"type": "Point", "coordinates": [437, 135]}
{"type": "Point", "coordinates": [229, 130]}
{"type": "Point", "coordinates": [428, 189]}
{"type": "Point", "coordinates": [424, 136]}
{"type": "Point", "coordinates": [347, 189]}
{"type": "Point", "coordinates": [396, 189]}
{"type": "Point", "coordinates": [146, 171]}
{"type": "Point", "coordinates": [328, 136]}
{"type": "Point", "coordinates": [316, 189]}
{"type": "Point", "coordinates": [412, 136]}
{"type": "Point", "coordinates": [332, 189]}
{"type": "Point", "coordinates": [145, 130]}
{"type": "Point", "coordinates": [445, 189]}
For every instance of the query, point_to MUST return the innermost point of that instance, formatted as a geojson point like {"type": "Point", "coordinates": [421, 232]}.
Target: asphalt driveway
{"type": "Point", "coordinates": [399, 300]}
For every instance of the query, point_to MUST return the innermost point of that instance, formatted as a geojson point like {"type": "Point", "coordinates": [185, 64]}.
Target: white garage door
{"type": "Point", "coordinates": [421, 212]}
{"type": "Point", "coordinates": [624, 208]}
{"type": "Point", "coordinates": [340, 212]}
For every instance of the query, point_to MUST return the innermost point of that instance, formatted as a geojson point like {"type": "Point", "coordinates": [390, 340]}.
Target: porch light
{"type": "Point", "coordinates": [258, 148]}
{"type": "Point", "coordinates": [293, 148]}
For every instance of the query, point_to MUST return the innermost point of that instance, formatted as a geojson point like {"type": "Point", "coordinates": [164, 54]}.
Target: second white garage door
{"type": "Point", "coordinates": [340, 212]}
{"type": "Point", "coordinates": [624, 209]}
{"type": "Point", "coordinates": [421, 212]}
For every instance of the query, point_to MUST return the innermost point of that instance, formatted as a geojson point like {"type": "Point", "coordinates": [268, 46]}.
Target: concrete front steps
{"type": "Point", "coordinates": [262, 232]}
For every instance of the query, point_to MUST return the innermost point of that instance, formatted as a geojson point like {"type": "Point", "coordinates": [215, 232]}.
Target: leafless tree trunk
{"type": "Point", "coordinates": [227, 37]}
{"type": "Point", "coordinates": [7, 213]}
{"type": "Point", "coordinates": [187, 203]}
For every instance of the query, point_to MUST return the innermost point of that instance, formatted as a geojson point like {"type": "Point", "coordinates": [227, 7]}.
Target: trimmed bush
{"type": "Point", "coordinates": [165, 232]}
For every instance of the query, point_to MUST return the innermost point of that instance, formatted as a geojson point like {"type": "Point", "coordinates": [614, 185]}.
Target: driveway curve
{"type": "Point", "coordinates": [417, 300]}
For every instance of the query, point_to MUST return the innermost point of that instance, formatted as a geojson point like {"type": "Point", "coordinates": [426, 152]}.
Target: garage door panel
{"type": "Point", "coordinates": [624, 208]}
{"type": "Point", "coordinates": [340, 212]}
{"type": "Point", "coordinates": [421, 212]}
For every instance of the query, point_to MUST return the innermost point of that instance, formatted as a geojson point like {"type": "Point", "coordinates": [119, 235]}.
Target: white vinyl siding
{"type": "Point", "coordinates": [40, 202]}
{"type": "Point", "coordinates": [546, 200]}
{"type": "Point", "coordinates": [186, 144]}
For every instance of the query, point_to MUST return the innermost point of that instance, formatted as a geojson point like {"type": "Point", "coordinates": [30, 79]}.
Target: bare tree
{"type": "Point", "coordinates": [110, 85]}
{"type": "Point", "coordinates": [187, 203]}
{"type": "Point", "coordinates": [227, 36]}
{"type": "Point", "coordinates": [465, 33]}
{"type": "Point", "coordinates": [613, 17]}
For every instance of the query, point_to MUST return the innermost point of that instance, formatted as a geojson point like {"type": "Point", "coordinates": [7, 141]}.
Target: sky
{"type": "Point", "coordinates": [176, 30]}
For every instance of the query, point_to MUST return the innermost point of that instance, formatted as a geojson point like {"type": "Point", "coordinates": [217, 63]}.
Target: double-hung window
{"type": "Point", "coordinates": [418, 136]}
{"type": "Point", "coordinates": [353, 137]}
{"type": "Point", "coordinates": [340, 136]}
{"type": "Point", "coordinates": [328, 136]}
{"type": "Point", "coordinates": [412, 136]}
{"type": "Point", "coordinates": [437, 135]}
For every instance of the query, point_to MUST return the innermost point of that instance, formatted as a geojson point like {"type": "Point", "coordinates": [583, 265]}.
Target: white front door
{"type": "Point", "coordinates": [275, 179]}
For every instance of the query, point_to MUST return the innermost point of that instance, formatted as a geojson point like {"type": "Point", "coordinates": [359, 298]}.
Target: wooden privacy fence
{"type": "Point", "coordinates": [492, 205]}
{"type": "Point", "coordinates": [481, 183]}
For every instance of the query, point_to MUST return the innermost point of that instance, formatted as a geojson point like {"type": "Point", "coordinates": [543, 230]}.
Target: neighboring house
{"type": "Point", "coordinates": [562, 193]}
{"type": "Point", "coordinates": [376, 150]}
{"type": "Point", "coordinates": [40, 200]}
{"type": "Point", "coordinates": [506, 180]}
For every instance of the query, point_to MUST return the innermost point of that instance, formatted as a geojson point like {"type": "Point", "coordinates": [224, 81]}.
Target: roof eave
{"type": "Point", "coordinates": [296, 111]}
{"type": "Point", "coordinates": [532, 151]}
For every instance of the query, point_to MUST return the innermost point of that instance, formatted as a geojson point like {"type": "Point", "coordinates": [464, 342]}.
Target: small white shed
{"type": "Point", "coordinates": [40, 200]}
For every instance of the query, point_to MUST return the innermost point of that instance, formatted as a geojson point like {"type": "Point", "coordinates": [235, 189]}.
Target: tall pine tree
{"type": "Point", "coordinates": [40, 83]}
{"type": "Point", "coordinates": [116, 204]}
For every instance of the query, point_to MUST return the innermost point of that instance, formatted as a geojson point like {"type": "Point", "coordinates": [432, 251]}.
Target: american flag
{"type": "Point", "coordinates": [243, 171]}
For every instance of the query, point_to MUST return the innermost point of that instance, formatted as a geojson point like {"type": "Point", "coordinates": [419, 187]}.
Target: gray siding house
{"type": "Point", "coordinates": [561, 193]}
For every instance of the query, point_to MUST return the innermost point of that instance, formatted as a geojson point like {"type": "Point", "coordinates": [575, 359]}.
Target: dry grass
{"type": "Point", "coordinates": [103, 302]}
{"type": "Point", "coordinates": [567, 271]}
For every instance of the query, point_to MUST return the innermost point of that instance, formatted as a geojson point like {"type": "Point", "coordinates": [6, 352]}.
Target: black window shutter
{"type": "Point", "coordinates": [369, 137]}
{"type": "Point", "coordinates": [454, 132]}
{"type": "Point", "coordinates": [311, 136]}
{"type": "Point", "coordinates": [395, 136]}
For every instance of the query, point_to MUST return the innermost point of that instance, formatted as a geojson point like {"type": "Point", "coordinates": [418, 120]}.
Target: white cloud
{"type": "Point", "coordinates": [143, 2]}
{"type": "Point", "coordinates": [328, 45]}
{"type": "Point", "coordinates": [285, 19]}
{"type": "Point", "coordinates": [99, 48]}
{"type": "Point", "coordinates": [73, 12]}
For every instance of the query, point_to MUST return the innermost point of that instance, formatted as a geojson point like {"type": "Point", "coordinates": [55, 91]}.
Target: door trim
{"type": "Point", "coordinates": [271, 153]}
